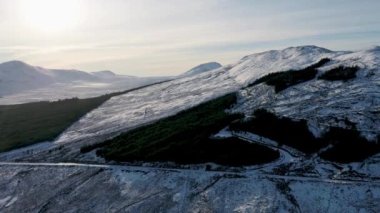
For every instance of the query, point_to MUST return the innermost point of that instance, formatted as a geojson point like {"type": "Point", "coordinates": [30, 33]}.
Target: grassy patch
{"type": "Point", "coordinates": [283, 80]}
{"type": "Point", "coordinates": [340, 74]}
{"type": "Point", "coordinates": [184, 138]}
{"type": "Point", "coordinates": [26, 124]}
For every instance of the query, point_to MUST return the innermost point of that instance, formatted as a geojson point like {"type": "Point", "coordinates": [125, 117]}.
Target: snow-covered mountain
{"type": "Point", "coordinates": [120, 113]}
{"type": "Point", "coordinates": [16, 76]}
{"type": "Point", "coordinates": [22, 83]}
{"type": "Point", "coordinates": [202, 68]}
{"type": "Point", "coordinates": [327, 103]}
{"type": "Point", "coordinates": [293, 183]}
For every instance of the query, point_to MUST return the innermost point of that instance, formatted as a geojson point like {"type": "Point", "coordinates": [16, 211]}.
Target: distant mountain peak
{"type": "Point", "coordinates": [104, 74]}
{"type": "Point", "coordinates": [306, 48]}
{"type": "Point", "coordinates": [202, 68]}
{"type": "Point", "coordinates": [15, 63]}
{"type": "Point", "coordinates": [292, 51]}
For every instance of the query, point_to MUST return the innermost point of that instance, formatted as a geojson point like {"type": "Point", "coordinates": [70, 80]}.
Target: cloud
{"type": "Point", "coordinates": [151, 37]}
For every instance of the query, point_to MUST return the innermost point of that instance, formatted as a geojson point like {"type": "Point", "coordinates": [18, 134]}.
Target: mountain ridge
{"type": "Point", "coordinates": [202, 68]}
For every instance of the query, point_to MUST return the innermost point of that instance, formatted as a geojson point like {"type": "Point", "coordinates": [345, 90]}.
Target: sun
{"type": "Point", "coordinates": [51, 15]}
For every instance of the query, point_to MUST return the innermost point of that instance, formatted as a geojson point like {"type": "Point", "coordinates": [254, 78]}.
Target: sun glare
{"type": "Point", "coordinates": [51, 15]}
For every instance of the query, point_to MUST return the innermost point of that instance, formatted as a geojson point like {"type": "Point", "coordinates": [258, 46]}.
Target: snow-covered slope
{"type": "Point", "coordinates": [127, 189]}
{"type": "Point", "coordinates": [202, 68]}
{"type": "Point", "coordinates": [327, 103]}
{"type": "Point", "coordinates": [151, 103]}
{"type": "Point", "coordinates": [256, 65]}
{"type": "Point", "coordinates": [127, 111]}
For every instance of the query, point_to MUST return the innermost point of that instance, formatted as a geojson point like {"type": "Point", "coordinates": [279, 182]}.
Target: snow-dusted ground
{"type": "Point", "coordinates": [52, 188]}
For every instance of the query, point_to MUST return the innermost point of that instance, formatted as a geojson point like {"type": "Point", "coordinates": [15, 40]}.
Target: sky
{"type": "Point", "coordinates": [168, 37]}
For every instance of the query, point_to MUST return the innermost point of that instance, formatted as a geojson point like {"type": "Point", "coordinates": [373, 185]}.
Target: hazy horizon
{"type": "Point", "coordinates": [154, 38]}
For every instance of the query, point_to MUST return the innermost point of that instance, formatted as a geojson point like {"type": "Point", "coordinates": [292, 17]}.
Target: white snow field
{"type": "Point", "coordinates": [137, 189]}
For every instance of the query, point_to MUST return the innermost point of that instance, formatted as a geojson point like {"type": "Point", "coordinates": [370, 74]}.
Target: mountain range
{"type": "Point", "coordinates": [275, 99]}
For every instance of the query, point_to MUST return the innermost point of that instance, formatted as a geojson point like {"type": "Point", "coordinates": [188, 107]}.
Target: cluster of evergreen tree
{"type": "Point", "coordinates": [283, 80]}
{"type": "Point", "coordinates": [281, 129]}
{"type": "Point", "coordinates": [347, 145]}
{"type": "Point", "coordinates": [340, 73]}
{"type": "Point", "coordinates": [185, 139]}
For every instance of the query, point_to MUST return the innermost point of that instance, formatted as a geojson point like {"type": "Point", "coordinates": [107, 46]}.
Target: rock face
{"type": "Point", "coordinates": [202, 68]}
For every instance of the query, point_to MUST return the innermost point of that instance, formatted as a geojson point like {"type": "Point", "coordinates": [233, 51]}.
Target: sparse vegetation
{"type": "Point", "coordinates": [340, 73]}
{"type": "Point", "coordinates": [184, 139]}
{"type": "Point", "coordinates": [26, 124]}
{"type": "Point", "coordinates": [283, 80]}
